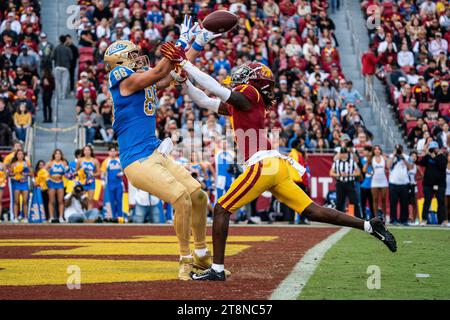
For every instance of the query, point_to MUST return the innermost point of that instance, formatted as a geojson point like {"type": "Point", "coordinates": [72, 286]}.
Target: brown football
{"type": "Point", "coordinates": [220, 21]}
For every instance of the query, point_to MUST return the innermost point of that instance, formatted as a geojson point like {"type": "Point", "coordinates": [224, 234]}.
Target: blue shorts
{"type": "Point", "coordinates": [21, 186]}
{"type": "Point", "coordinates": [55, 185]}
{"type": "Point", "coordinates": [89, 186]}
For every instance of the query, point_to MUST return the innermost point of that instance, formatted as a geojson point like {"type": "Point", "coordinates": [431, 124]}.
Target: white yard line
{"type": "Point", "coordinates": [291, 287]}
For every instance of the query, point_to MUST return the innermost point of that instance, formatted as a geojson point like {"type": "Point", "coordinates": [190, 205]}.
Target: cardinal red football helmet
{"type": "Point", "coordinates": [259, 76]}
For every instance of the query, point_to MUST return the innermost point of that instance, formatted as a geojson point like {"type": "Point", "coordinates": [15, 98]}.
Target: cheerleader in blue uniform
{"type": "Point", "coordinates": [20, 170]}
{"type": "Point", "coordinates": [3, 180]}
{"type": "Point", "coordinates": [71, 173]}
{"type": "Point", "coordinates": [57, 167]}
{"type": "Point", "coordinates": [88, 169]}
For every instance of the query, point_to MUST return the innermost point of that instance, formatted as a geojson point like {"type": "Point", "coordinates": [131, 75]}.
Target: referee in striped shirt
{"type": "Point", "coordinates": [346, 171]}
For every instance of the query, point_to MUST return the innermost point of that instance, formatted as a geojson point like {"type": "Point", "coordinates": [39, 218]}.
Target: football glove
{"type": "Point", "coordinates": [173, 53]}
{"type": "Point", "coordinates": [187, 32]}
{"type": "Point", "coordinates": [203, 37]}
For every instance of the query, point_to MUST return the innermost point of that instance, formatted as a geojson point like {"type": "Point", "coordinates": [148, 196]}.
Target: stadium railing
{"type": "Point", "coordinates": [29, 142]}
{"type": "Point", "coordinates": [369, 91]}
{"type": "Point", "coordinates": [80, 137]}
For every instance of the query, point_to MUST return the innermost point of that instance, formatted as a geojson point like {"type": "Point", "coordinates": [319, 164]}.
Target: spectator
{"type": "Point", "coordinates": [62, 55]}
{"type": "Point", "coordinates": [48, 86]}
{"type": "Point", "coordinates": [88, 37]}
{"type": "Point", "coordinates": [106, 116]}
{"type": "Point", "coordinates": [221, 63]}
{"type": "Point", "coordinates": [148, 208]}
{"type": "Point", "coordinates": [45, 52]}
{"type": "Point", "coordinates": [22, 121]}
{"type": "Point", "coordinates": [76, 205]}
{"type": "Point", "coordinates": [399, 165]}
{"type": "Point", "coordinates": [345, 170]}
{"type": "Point", "coordinates": [434, 181]}
{"type": "Point", "coordinates": [349, 95]}
{"type": "Point", "coordinates": [6, 124]}
{"type": "Point", "coordinates": [27, 59]}
{"type": "Point", "coordinates": [91, 121]}
{"type": "Point", "coordinates": [12, 22]}
{"type": "Point", "coordinates": [405, 57]}
{"type": "Point", "coordinates": [73, 60]}
{"type": "Point", "coordinates": [8, 58]}
{"type": "Point", "coordinates": [412, 113]}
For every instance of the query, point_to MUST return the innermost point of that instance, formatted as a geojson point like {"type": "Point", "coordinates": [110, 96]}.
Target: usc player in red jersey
{"type": "Point", "coordinates": [252, 94]}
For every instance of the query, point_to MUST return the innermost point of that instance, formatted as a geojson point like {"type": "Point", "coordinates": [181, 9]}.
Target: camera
{"type": "Point", "coordinates": [77, 191]}
{"type": "Point", "coordinates": [398, 150]}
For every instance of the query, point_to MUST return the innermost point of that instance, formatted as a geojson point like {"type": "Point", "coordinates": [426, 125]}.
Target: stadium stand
{"type": "Point", "coordinates": [317, 105]}
{"type": "Point", "coordinates": [409, 53]}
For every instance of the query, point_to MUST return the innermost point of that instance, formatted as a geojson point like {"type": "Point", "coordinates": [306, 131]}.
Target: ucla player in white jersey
{"type": "Point", "coordinates": [133, 87]}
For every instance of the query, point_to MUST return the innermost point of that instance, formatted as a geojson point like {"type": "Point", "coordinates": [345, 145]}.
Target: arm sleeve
{"type": "Point", "coordinates": [207, 81]}
{"type": "Point", "coordinates": [201, 99]}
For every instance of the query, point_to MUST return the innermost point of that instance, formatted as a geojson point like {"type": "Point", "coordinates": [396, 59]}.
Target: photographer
{"type": "Point", "coordinates": [399, 166]}
{"type": "Point", "coordinates": [76, 207]}
{"type": "Point", "coordinates": [346, 170]}
{"type": "Point", "coordinates": [434, 181]}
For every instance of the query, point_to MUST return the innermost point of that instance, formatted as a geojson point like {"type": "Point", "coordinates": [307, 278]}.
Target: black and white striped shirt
{"type": "Point", "coordinates": [341, 167]}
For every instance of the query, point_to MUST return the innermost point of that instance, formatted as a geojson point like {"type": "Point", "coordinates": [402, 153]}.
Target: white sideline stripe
{"type": "Point", "coordinates": [291, 287]}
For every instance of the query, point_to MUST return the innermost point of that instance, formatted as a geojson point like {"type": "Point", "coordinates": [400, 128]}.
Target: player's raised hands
{"type": "Point", "coordinates": [203, 37]}
{"type": "Point", "coordinates": [188, 32]}
{"type": "Point", "coordinates": [175, 54]}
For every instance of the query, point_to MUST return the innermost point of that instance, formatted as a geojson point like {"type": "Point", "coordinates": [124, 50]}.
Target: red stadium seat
{"type": "Point", "coordinates": [444, 109]}
{"type": "Point", "coordinates": [402, 106]}
{"type": "Point", "coordinates": [86, 51]}
{"type": "Point", "coordinates": [424, 106]}
{"type": "Point", "coordinates": [410, 125]}
{"type": "Point", "coordinates": [86, 54]}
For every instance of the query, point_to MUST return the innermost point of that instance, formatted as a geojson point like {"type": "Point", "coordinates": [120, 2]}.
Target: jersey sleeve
{"type": "Point", "coordinates": [250, 92]}
{"type": "Point", "coordinates": [118, 74]}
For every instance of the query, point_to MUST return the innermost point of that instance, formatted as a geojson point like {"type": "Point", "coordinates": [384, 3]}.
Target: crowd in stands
{"type": "Point", "coordinates": [409, 52]}
{"type": "Point", "coordinates": [315, 102]}
{"type": "Point", "coordinates": [25, 60]}
{"type": "Point", "coordinates": [316, 109]}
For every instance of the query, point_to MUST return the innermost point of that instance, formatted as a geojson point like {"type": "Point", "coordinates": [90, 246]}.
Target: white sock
{"type": "Point", "coordinates": [189, 256]}
{"type": "Point", "coordinates": [201, 252]}
{"type": "Point", "coordinates": [218, 267]}
{"type": "Point", "coordinates": [367, 226]}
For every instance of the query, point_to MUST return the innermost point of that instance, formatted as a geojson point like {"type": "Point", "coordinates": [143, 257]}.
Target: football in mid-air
{"type": "Point", "coordinates": [220, 21]}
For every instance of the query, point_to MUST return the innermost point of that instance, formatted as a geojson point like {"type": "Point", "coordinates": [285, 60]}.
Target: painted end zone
{"type": "Point", "coordinates": [140, 262]}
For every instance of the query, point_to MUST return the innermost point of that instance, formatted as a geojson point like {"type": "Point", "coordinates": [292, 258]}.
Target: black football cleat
{"type": "Point", "coordinates": [380, 232]}
{"type": "Point", "coordinates": [209, 275]}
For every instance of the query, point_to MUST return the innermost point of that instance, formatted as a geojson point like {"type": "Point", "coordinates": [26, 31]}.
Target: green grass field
{"type": "Point", "coordinates": [342, 274]}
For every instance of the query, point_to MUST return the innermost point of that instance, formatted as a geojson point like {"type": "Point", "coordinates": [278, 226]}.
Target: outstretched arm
{"type": "Point", "coordinates": [203, 101]}
{"type": "Point", "coordinates": [142, 80]}
{"type": "Point", "coordinates": [236, 99]}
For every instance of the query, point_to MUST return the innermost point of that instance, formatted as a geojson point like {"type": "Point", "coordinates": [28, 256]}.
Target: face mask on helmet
{"type": "Point", "coordinates": [138, 60]}
{"type": "Point", "coordinates": [240, 75]}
